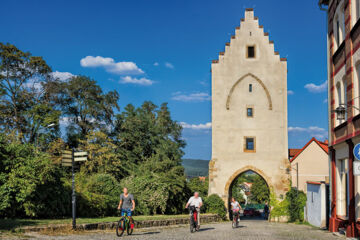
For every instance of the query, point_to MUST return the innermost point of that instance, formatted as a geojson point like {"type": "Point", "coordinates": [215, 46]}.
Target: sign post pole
{"type": "Point", "coordinates": [73, 195]}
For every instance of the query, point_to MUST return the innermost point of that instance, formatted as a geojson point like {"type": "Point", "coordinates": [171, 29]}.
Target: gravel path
{"type": "Point", "coordinates": [248, 229]}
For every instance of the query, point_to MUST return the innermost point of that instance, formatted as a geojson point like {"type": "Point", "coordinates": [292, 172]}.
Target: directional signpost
{"type": "Point", "coordinates": [356, 164]}
{"type": "Point", "coordinates": [69, 158]}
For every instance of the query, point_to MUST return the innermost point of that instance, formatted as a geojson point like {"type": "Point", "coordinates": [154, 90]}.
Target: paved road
{"type": "Point", "coordinates": [248, 229]}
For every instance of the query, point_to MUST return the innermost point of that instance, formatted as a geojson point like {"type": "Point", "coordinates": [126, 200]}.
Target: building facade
{"type": "Point", "coordinates": [249, 111]}
{"type": "Point", "coordinates": [311, 163]}
{"type": "Point", "coordinates": [343, 42]}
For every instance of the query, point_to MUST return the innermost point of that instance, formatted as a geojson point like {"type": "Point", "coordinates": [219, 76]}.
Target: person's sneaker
{"type": "Point", "coordinates": [197, 228]}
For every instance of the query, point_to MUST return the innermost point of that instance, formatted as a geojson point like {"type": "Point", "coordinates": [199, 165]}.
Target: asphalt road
{"type": "Point", "coordinates": [248, 229]}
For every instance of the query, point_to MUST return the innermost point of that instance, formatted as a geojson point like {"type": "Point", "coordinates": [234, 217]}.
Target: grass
{"type": "Point", "coordinates": [12, 224]}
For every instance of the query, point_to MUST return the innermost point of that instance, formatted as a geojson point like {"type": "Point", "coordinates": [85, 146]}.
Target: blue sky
{"type": "Point", "coordinates": [162, 51]}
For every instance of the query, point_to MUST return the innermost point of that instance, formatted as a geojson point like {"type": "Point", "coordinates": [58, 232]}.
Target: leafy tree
{"type": "Point", "coordinates": [24, 106]}
{"type": "Point", "coordinates": [30, 184]}
{"type": "Point", "coordinates": [297, 202]}
{"type": "Point", "coordinates": [259, 190]}
{"type": "Point", "coordinates": [84, 105]}
{"type": "Point", "coordinates": [196, 185]}
{"type": "Point", "coordinates": [101, 155]}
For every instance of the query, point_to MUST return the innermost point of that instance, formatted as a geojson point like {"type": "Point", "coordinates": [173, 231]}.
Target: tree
{"type": "Point", "coordinates": [24, 106]}
{"type": "Point", "coordinates": [196, 185]}
{"type": "Point", "coordinates": [84, 106]}
{"type": "Point", "coordinates": [259, 190]}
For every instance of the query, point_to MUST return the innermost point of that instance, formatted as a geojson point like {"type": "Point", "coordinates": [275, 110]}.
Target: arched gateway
{"type": "Point", "coordinates": [249, 111]}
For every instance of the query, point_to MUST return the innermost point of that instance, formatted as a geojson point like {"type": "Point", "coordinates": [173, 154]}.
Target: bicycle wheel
{"type": "Point", "coordinates": [192, 223]}
{"type": "Point", "coordinates": [130, 228]}
{"type": "Point", "coordinates": [234, 223]}
{"type": "Point", "coordinates": [120, 227]}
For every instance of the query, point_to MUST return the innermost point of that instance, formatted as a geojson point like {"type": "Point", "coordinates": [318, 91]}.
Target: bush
{"type": "Point", "coordinates": [196, 185]}
{"type": "Point", "coordinates": [97, 194]}
{"type": "Point", "coordinates": [214, 204]}
{"type": "Point", "coordinates": [297, 202]}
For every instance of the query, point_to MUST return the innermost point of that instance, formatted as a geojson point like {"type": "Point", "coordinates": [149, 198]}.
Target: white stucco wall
{"type": "Point", "coordinates": [316, 204]}
{"type": "Point", "coordinates": [231, 77]}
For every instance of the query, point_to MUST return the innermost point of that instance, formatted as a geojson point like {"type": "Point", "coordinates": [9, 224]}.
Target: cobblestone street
{"type": "Point", "coordinates": [248, 229]}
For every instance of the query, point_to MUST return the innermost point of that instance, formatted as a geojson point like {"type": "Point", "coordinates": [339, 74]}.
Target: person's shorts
{"type": "Point", "coordinates": [127, 211]}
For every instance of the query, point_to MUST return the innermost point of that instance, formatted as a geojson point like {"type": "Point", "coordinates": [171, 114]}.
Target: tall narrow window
{"type": "Point", "coordinates": [338, 99]}
{"type": "Point", "coordinates": [249, 112]}
{"type": "Point", "coordinates": [250, 52]}
{"type": "Point", "coordinates": [337, 32]}
{"type": "Point", "coordinates": [250, 87]}
{"type": "Point", "coordinates": [357, 3]}
{"type": "Point", "coordinates": [357, 89]}
{"type": "Point", "coordinates": [344, 97]}
{"type": "Point", "coordinates": [249, 144]}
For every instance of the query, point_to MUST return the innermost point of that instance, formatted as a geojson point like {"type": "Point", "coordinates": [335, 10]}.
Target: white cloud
{"type": "Point", "coordinates": [110, 65]}
{"type": "Point", "coordinates": [314, 131]}
{"type": "Point", "coordinates": [169, 65]}
{"type": "Point", "coordinates": [313, 88]}
{"type": "Point", "coordinates": [201, 126]}
{"type": "Point", "coordinates": [62, 76]}
{"type": "Point", "coordinates": [290, 92]}
{"type": "Point", "coordinates": [139, 81]}
{"type": "Point", "coordinates": [193, 97]}
{"type": "Point", "coordinates": [156, 64]}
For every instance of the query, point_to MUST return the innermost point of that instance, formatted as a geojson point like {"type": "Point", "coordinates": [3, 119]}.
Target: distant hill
{"type": "Point", "coordinates": [196, 167]}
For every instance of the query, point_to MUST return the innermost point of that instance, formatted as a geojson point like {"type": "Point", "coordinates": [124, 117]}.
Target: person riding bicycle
{"type": "Point", "coordinates": [195, 201]}
{"type": "Point", "coordinates": [126, 204]}
{"type": "Point", "coordinates": [235, 207]}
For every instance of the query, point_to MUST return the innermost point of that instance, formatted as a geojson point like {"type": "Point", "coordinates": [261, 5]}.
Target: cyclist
{"type": "Point", "coordinates": [195, 201]}
{"type": "Point", "coordinates": [235, 207]}
{"type": "Point", "coordinates": [127, 204]}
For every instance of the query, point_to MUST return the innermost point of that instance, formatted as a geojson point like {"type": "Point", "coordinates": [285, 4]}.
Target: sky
{"type": "Point", "coordinates": [161, 50]}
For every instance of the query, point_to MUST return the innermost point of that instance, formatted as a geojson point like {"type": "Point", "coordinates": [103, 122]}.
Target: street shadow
{"type": "Point", "coordinates": [205, 229]}
{"type": "Point", "coordinates": [144, 233]}
{"type": "Point", "coordinates": [241, 226]}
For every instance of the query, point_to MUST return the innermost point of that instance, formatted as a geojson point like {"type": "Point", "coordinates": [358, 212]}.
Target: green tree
{"type": "Point", "coordinates": [25, 107]}
{"type": "Point", "coordinates": [84, 105]}
{"type": "Point", "coordinates": [297, 202]}
{"type": "Point", "coordinates": [197, 185]}
{"type": "Point", "coordinates": [259, 190]}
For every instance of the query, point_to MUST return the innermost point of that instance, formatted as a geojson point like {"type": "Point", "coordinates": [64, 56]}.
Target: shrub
{"type": "Point", "coordinates": [297, 202]}
{"type": "Point", "coordinates": [214, 204]}
{"type": "Point", "coordinates": [97, 194]}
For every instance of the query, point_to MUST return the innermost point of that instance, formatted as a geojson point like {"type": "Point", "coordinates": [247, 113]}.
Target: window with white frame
{"type": "Point", "coordinates": [342, 189]}
{"type": "Point", "coordinates": [338, 99]}
{"type": "Point", "coordinates": [344, 97]}
{"type": "Point", "coordinates": [356, 91]}
{"type": "Point", "coordinates": [355, 11]}
{"type": "Point", "coordinates": [339, 26]}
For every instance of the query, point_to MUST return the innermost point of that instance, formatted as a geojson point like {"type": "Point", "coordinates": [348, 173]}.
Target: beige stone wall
{"type": "Point", "coordinates": [313, 164]}
{"type": "Point", "coordinates": [231, 76]}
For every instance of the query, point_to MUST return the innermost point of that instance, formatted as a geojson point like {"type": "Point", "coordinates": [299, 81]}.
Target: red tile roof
{"type": "Point", "coordinates": [323, 145]}
{"type": "Point", "coordinates": [293, 152]}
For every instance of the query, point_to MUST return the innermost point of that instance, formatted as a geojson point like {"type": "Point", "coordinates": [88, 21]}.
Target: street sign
{"type": "Point", "coordinates": [356, 151]}
{"type": "Point", "coordinates": [66, 164]}
{"type": "Point", "coordinates": [80, 154]}
{"type": "Point", "coordinates": [79, 159]}
{"type": "Point", "coordinates": [67, 160]}
{"type": "Point", "coordinates": [356, 168]}
{"type": "Point", "coordinates": [67, 152]}
{"type": "Point", "coordinates": [67, 156]}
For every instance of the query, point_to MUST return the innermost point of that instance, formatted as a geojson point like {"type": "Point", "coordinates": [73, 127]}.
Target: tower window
{"type": "Point", "coordinates": [250, 87]}
{"type": "Point", "coordinates": [249, 112]}
{"type": "Point", "coordinates": [249, 144]}
{"type": "Point", "coordinates": [250, 52]}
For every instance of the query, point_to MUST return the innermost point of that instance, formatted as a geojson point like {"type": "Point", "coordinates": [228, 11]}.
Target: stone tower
{"type": "Point", "coordinates": [249, 111]}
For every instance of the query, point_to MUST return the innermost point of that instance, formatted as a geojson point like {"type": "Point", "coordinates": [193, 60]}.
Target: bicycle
{"type": "Point", "coordinates": [235, 222]}
{"type": "Point", "coordinates": [193, 219]}
{"type": "Point", "coordinates": [124, 223]}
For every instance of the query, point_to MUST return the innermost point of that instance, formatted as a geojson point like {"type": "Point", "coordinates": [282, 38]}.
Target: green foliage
{"type": "Point", "coordinates": [259, 190]}
{"type": "Point", "coordinates": [197, 185]}
{"type": "Point", "coordinates": [97, 194]}
{"type": "Point", "coordinates": [214, 204]}
{"type": "Point", "coordinates": [30, 184]}
{"type": "Point", "coordinates": [297, 202]}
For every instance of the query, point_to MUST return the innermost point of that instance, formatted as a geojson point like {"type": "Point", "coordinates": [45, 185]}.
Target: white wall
{"type": "Point", "coordinates": [316, 204]}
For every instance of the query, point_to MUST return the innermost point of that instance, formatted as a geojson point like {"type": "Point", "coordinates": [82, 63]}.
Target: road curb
{"type": "Point", "coordinates": [112, 225]}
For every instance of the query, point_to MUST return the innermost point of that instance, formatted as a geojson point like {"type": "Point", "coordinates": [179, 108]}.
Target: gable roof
{"type": "Point", "coordinates": [323, 145]}
{"type": "Point", "coordinates": [293, 152]}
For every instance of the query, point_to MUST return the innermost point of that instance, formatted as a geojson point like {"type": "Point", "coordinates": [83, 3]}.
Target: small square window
{"type": "Point", "coordinates": [250, 87]}
{"type": "Point", "coordinates": [249, 112]}
{"type": "Point", "coordinates": [250, 52]}
{"type": "Point", "coordinates": [249, 144]}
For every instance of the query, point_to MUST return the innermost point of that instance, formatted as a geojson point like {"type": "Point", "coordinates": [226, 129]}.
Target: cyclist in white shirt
{"type": "Point", "coordinates": [195, 201]}
{"type": "Point", "coordinates": [235, 206]}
